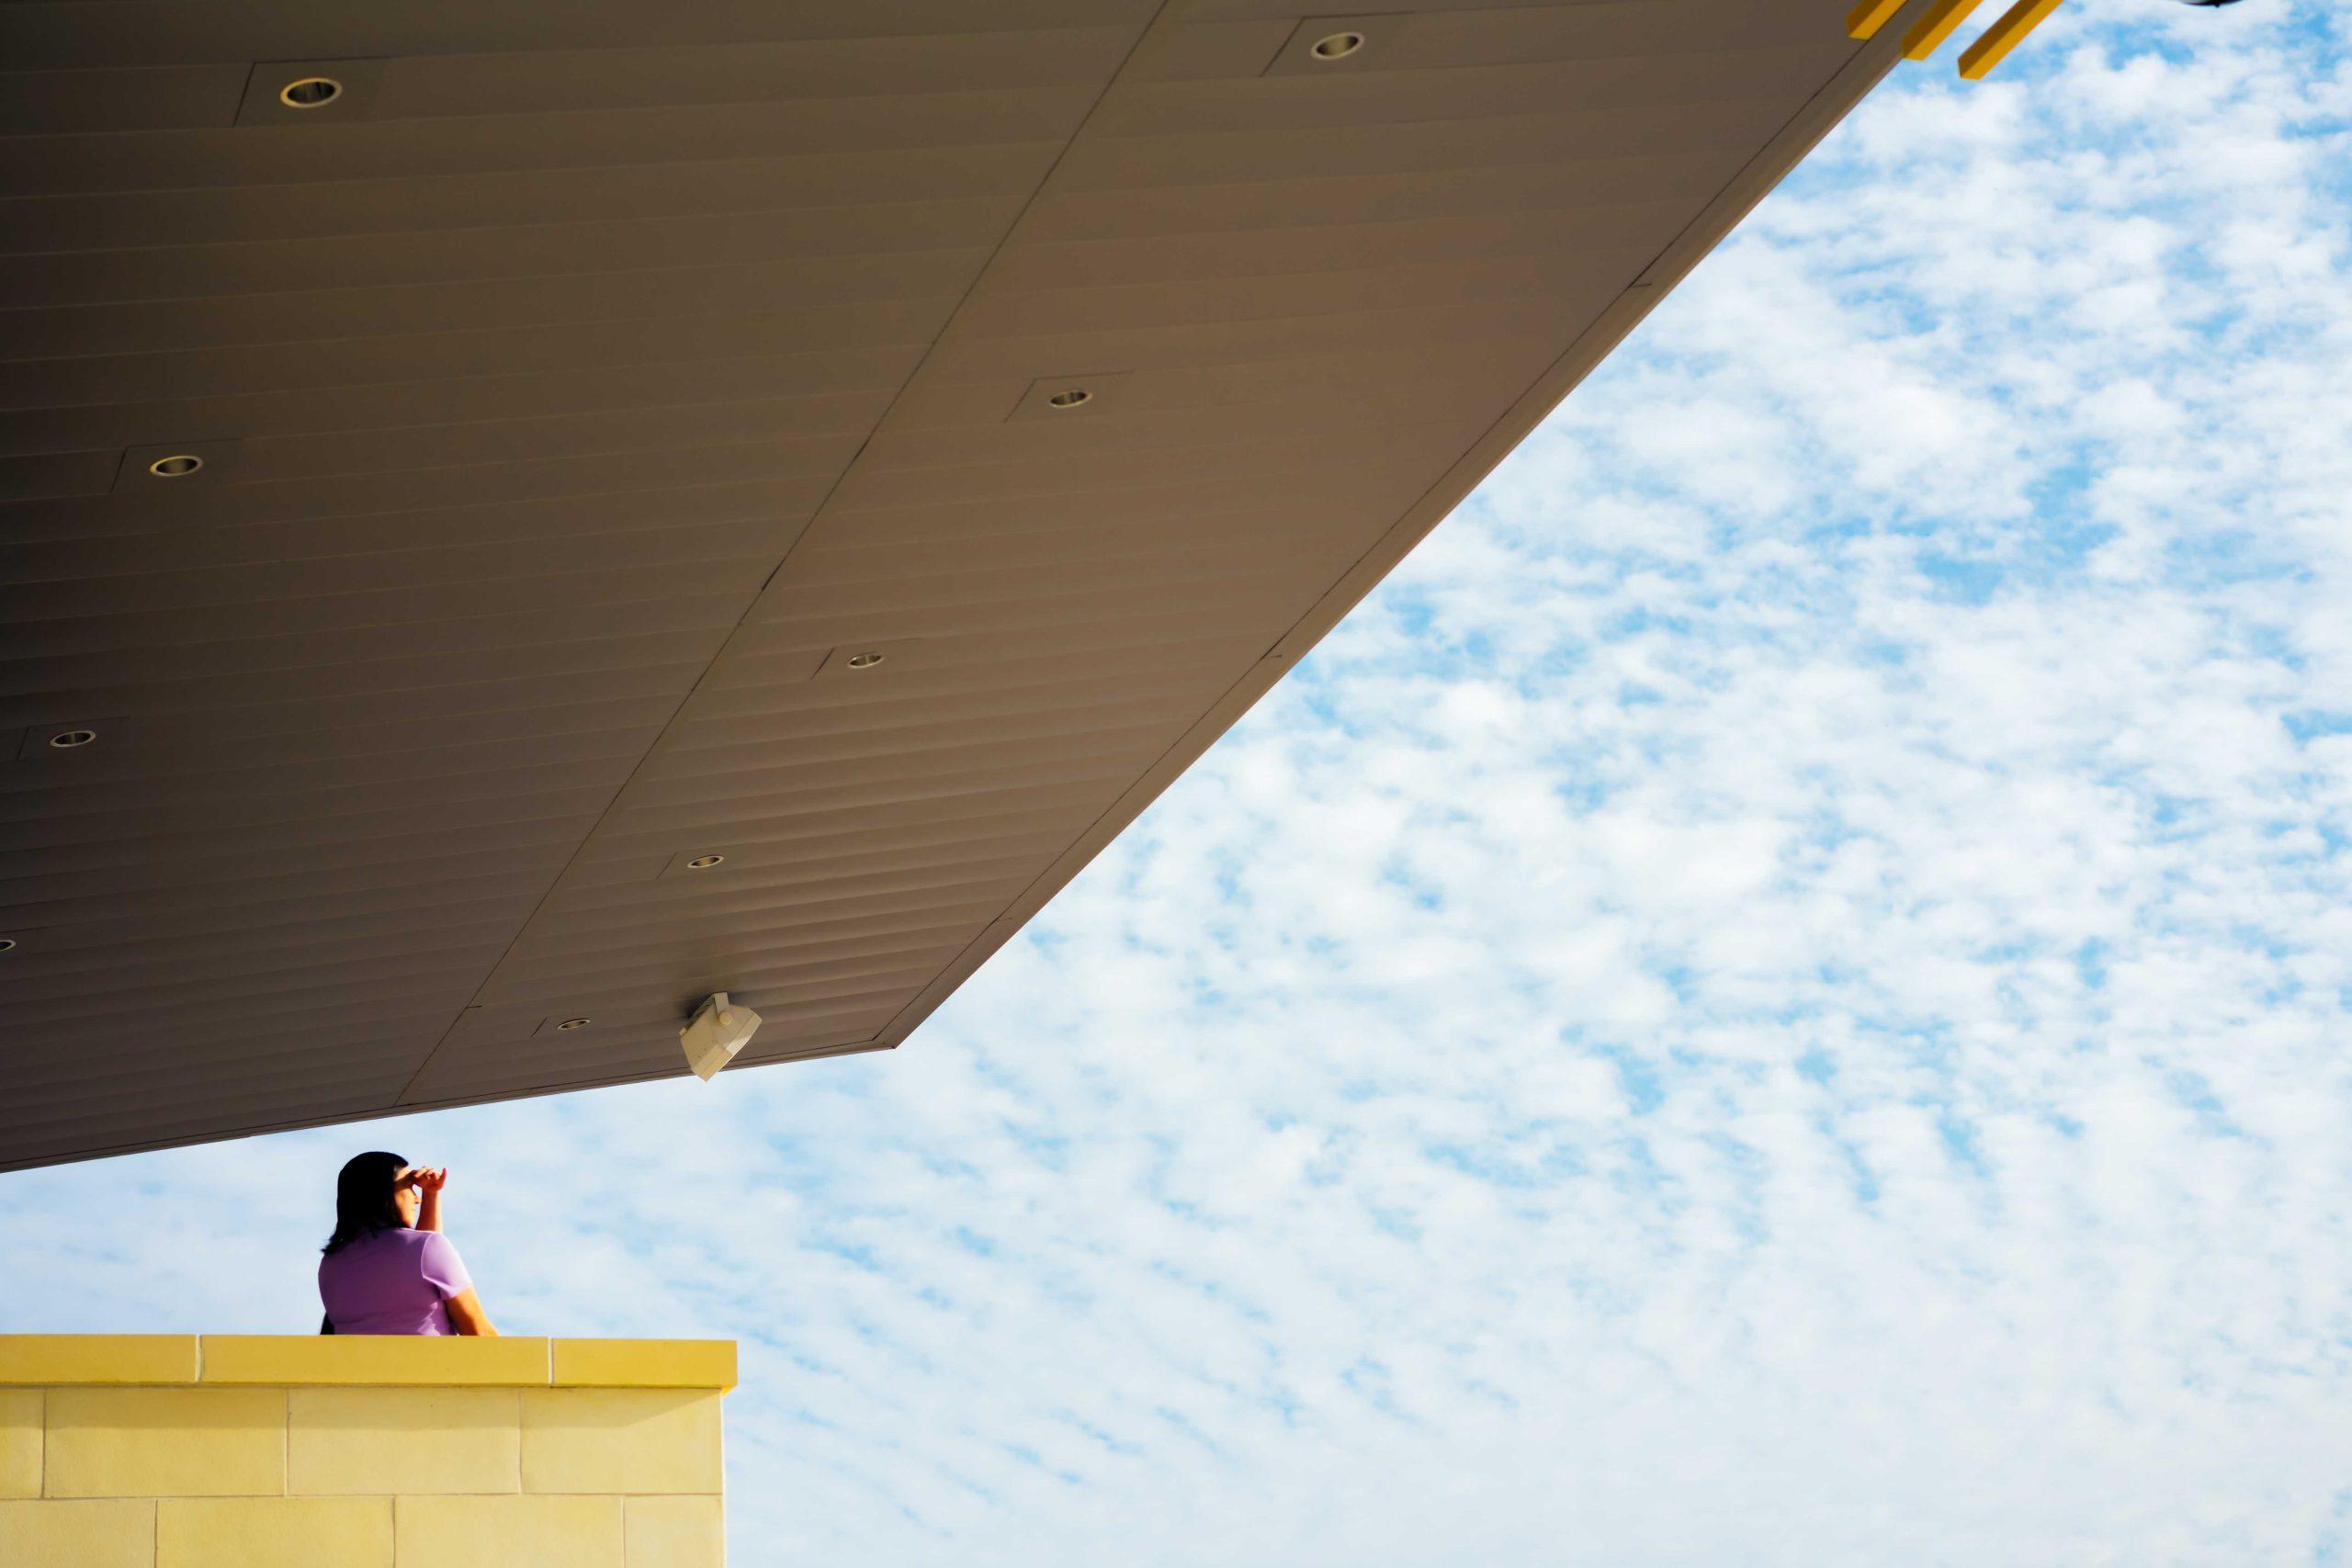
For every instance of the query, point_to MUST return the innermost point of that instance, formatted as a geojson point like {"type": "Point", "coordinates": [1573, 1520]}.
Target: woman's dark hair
{"type": "Point", "coordinates": [362, 1199]}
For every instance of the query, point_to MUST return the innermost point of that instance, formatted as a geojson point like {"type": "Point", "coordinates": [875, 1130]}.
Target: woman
{"type": "Point", "coordinates": [387, 1268]}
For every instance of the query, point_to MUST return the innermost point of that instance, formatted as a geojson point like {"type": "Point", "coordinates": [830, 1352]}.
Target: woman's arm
{"type": "Point", "coordinates": [444, 1269]}
{"type": "Point", "coordinates": [430, 1180]}
{"type": "Point", "coordinates": [467, 1316]}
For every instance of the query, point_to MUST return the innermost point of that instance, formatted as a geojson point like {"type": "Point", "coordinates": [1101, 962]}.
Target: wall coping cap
{"type": "Point", "coordinates": [52, 1361]}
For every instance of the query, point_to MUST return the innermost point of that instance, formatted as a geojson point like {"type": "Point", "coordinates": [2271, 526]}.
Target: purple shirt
{"type": "Point", "coordinates": [393, 1283]}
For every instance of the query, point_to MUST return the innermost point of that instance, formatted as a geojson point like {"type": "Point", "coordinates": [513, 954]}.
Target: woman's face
{"type": "Point", "coordinates": [404, 1196]}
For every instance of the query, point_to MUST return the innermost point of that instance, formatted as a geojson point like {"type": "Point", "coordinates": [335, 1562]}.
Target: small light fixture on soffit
{"type": "Point", "coordinates": [866, 660]}
{"type": "Point", "coordinates": [702, 859]}
{"type": "Point", "coordinates": [1077, 396]}
{"type": "Point", "coordinates": [60, 740]}
{"type": "Point", "coordinates": [310, 92]}
{"type": "Point", "coordinates": [571, 1023]}
{"type": "Point", "coordinates": [718, 1028]}
{"type": "Point", "coordinates": [1330, 45]}
{"type": "Point", "coordinates": [179, 467]}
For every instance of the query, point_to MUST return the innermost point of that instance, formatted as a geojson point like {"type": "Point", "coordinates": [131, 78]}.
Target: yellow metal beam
{"type": "Point", "coordinates": [1977, 60]}
{"type": "Point", "coordinates": [1865, 19]}
{"type": "Point", "coordinates": [1928, 34]}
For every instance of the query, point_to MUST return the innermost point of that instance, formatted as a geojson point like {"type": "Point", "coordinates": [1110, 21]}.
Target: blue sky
{"type": "Point", "coordinates": [1778, 996]}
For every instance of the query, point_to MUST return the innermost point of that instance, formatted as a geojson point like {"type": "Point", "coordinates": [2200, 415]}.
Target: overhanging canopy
{"type": "Point", "coordinates": [581, 395]}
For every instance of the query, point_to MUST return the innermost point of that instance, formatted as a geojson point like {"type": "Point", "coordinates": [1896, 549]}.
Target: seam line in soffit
{"type": "Point", "coordinates": [978, 275]}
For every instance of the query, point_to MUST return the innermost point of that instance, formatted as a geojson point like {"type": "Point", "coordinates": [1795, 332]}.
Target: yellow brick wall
{"type": "Point", "coordinates": [154, 1452]}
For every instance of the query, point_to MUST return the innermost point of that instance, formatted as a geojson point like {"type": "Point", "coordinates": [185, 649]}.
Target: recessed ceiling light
{"type": "Point", "coordinates": [573, 1024]}
{"type": "Point", "coordinates": [66, 740]}
{"type": "Point", "coordinates": [1071, 398]}
{"type": "Point", "coordinates": [1338, 46]}
{"type": "Point", "coordinates": [864, 661]}
{"type": "Point", "coordinates": [704, 862]}
{"type": "Point", "coordinates": [7, 943]}
{"type": "Point", "coordinates": [310, 92]}
{"type": "Point", "coordinates": [178, 466]}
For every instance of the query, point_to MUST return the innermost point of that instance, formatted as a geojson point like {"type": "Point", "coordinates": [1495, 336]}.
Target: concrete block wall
{"type": "Point", "coordinates": [205, 1452]}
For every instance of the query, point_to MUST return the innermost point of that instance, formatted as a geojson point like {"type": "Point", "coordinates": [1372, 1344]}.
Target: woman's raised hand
{"type": "Point", "coordinates": [429, 1179]}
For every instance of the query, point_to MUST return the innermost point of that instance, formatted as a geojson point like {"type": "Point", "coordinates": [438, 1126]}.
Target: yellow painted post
{"type": "Point", "coordinates": [1865, 19]}
{"type": "Point", "coordinates": [1928, 34]}
{"type": "Point", "coordinates": [1977, 60]}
